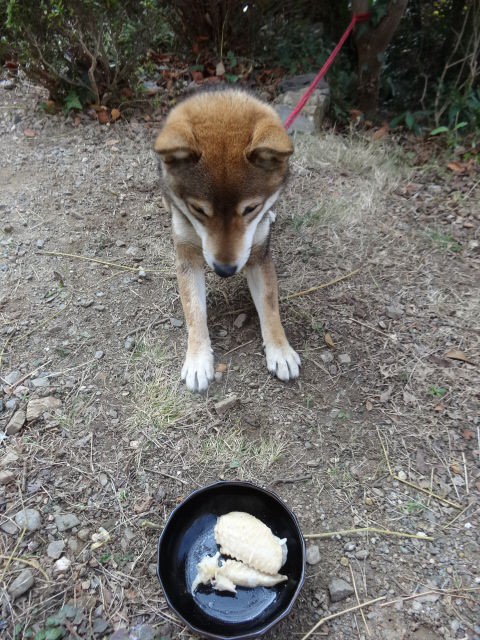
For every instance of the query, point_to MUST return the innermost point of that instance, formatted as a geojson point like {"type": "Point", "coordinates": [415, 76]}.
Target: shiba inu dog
{"type": "Point", "coordinates": [224, 159]}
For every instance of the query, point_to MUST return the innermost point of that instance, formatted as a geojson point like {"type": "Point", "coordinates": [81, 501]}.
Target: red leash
{"type": "Point", "coordinates": [359, 17]}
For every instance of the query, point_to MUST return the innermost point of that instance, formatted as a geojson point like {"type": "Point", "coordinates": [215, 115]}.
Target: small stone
{"type": "Point", "coordinates": [129, 344]}
{"type": "Point", "coordinates": [37, 406]}
{"type": "Point", "coordinates": [22, 583]}
{"type": "Point", "coordinates": [344, 358]}
{"type": "Point", "coordinates": [240, 320]}
{"type": "Point", "coordinates": [11, 404]}
{"type": "Point", "coordinates": [395, 311]}
{"type": "Point", "coordinates": [13, 377]}
{"type": "Point", "coordinates": [55, 549]}
{"type": "Point", "coordinates": [227, 403]}
{"type": "Point", "coordinates": [218, 376]}
{"type": "Point", "coordinates": [326, 357]}
{"type": "Point", "coordinates": [84, 535]}
{"type": "Point", "coordinates": [362, 554]}
{"type": "Point", "coordinates": [120, 243]}
{"type": "Point", "coordinates": [9, 527]}
{"type": "Point", "coordinates": [142, 632]}
{"type": "Point", "coordinates": [62, 565]}
{"type": "Point", "coordinates": [350, 546]}
{"type": "Point", "coordinates": [66, 521]}
{"type": "Point", "coordinates": [222, 333]}
{"type": "Point", "coordinates": [99, 354]}
{"type": "Point", "coordinates": [99, 307]}
{"type": "Point", "coordinates": [16, 423]}
{"type": "Point", "coordinates": [30, 519]}
{"type": "Point", "coordinates": [313, 554]}
{"type": "Point", "coordinates": [99, 626]}
{"type": "Point", "coordinates": [6, 477]}
{"type": "Point", "coordinates": [8, 84]}
{"type": "Point", "coordinates": [333, 369]}
{"type": "Point", "coordinates": [176, 322]}
{"type": "Point", "coordinates": [40, 382]}
{"type": "Point", "coordinates": [120, 634]}
{"type": "Point", "coordinates": [152, 569]}
{"type": "Point", "coordinates": [344, 561]}
{"type": "Point", "coordinates": [339, 589]}
{"type": "Point", "coordinates": [40, 244]}
{"type": "Point", "coordinates": [8, 228]}
{"type": "Point", "coordinates": [402, 475]}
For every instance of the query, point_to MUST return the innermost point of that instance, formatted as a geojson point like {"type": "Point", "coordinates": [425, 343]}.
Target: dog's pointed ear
{"type": "Point", "coordinates": [176, 145]}
{"type": "Point", "coordinates": [270, 147]}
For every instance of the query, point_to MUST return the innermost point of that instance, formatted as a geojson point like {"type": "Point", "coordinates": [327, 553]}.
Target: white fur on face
{"type": "Point", "coordinates": [255, 233]}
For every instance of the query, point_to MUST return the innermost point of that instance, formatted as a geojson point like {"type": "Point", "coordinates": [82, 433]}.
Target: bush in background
{"type": "Point", "coordinates": [84, 51]}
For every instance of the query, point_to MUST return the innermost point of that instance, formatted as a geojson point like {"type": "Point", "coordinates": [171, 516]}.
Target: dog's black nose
{"type": "Point", "coordinates": [224, 270]}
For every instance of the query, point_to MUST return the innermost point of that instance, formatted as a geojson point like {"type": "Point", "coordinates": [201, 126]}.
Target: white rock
{"type": "Point", "coordinates": [62, 564]}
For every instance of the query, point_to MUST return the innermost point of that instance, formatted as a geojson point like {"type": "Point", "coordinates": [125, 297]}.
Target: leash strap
{"type": "Point", "coordinates": [359, 17]}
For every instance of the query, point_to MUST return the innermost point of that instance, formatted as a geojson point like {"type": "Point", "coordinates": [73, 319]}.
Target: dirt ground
{"type": "Point", "coordinates": [381, 430]}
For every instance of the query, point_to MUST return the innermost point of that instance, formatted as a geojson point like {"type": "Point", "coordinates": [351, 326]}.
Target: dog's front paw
{"type": "Point", "coordinates": [283, 361]}
{"type": "Point", "coordinates": [197, 371]}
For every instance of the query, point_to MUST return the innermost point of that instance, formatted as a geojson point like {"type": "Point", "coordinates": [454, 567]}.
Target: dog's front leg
{"type": "Point", "coordinates": [282, 360]}
{"type": "Point", "coordinates": [197, 371]}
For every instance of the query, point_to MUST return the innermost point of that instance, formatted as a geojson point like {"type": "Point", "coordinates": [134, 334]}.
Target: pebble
{"type": "Point", "coordinates": [326, 357]}
{"type": "Point", "coordinates": [6, 477]}
{"type": "Point", "coordinates": [40, 382]}
{"type": "Point", "coordinates": [11, 404]}
{"type": "Point", "coordinates": [120, 634]}
{"type": "Point", "coordinates": [40, 244]}
{"type": "Point", "coordinates": [16, 423]}
{"type": "Point", "coordinates": [62, 564]}
{"type": "Point", "coordinates": [362, 554]}
{"type": "Point", "coordinates": [37, 406]}
{"type": "Point", "coordinates": [120, 243]}
{"type": "Point", "coordinates": [84, 535]}
{"type": "Point", "coordinates": [22, 583]}
{"type": "Point", "coordinates": [55, 549]}
{"type": "Point", "coordinates": [176, 322]}
{"type": "Point", "coordinates": [66, 521]}
{"type": "Point", "coordinates": [339, 589]}
{"type": "Point", "coordinates": [240, 320]}
{"type": "Point", "coordinates": [99, 626]}
{"type": "Point", "coordinates": [402, 475]}
{"type": "Point", "coordinates": [344, 358]}
{"type": "Point", "coordinates": [13, 377]}
{"type": "Point", "coordinates": [99, 354]}
{"type": "Point", "coordinates": [227, 403]}
{"type": "Point", "coordinates": [129, 344]}
{"type": "Point", "coordinates": [30, 519]}
{"type": "Point", "coordinates": [9, 527]}
{"type": "Point", "coordinates": [142, 632]}
{"type": "Point", "coordinates": [333, 369]}
{"type": "Point", "coordinates": [99, 307]}
{"type": "Point", "coordinates": [313, 554]}
{"type": "Point", "coordinates": [395, 311]}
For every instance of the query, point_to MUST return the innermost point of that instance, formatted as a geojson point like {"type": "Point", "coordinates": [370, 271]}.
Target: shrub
{"type": "Point", "coordinates": [84, 51]}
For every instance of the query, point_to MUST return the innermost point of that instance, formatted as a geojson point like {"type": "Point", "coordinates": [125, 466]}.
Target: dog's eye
{"type": "Point", "coordinates": [198, 209]}
{"type": "Point", "coordinates": [250, 209]}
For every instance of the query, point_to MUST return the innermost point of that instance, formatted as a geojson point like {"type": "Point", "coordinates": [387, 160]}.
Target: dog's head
{"type": "Point", "coordinates": [224, 159]}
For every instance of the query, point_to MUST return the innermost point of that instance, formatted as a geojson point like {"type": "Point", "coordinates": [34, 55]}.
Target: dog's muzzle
{"type": "Point", "coordinates": [224, 270]}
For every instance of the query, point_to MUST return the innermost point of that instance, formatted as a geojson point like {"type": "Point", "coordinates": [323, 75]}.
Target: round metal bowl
{"type": "Point", "coordinates": [188, 536]}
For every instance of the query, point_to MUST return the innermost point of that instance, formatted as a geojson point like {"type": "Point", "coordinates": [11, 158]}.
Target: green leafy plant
{"type": "Point", "coordinates": [451, 134]}
{"type": "Point", "coordinates": [437, 392]}
{"type": "Point", "coordinates": [410, 120]}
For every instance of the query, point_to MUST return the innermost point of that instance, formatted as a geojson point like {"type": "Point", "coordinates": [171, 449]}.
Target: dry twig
{"type": "Point", "coordinates": [450, 503]}
{"type": "Point", "coordinates": [358, 600]}
{"type": "Point", "coordinates": [98, 261]}
{"type": "Point", "coordinates": [338, 614]}
{"type": "Point", "coordinates": [347, 532]}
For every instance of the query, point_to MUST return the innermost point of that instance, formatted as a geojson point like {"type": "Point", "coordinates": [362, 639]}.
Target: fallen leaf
{"type": "Point", "coordinates": [455, 468]}
{"type": "Point", "coordinates": [76, 121]}
{"type": "Point", "coordinates": [29, 133]}
{"type": "Point", "coordinates": [221, 367]}
{"type": "Point", "coordinates": [103, 117]}
{"type": "Point", "coordinates": [112, 141]}
{"type": "Point", "coordinates": [456, 167]}
{"type": "Point", "coordinates": [439, 408]}
{"type": "Point", "coordinates": [467, 434]}
{"type": "Point", "coordinates": [143, 505]}
{"type": "Point", "coordinates": [454, 354]}
{"type": "Point", "coordinates": [369, 405]}
{"type": "Point", "coordinates": [115, 114]}
{"type": "Point", "coordinates": [382, 132]}
{"type": "Point", "coordinates": [329, 340]}
{"type": "Point", "coordinates": [220, 69]}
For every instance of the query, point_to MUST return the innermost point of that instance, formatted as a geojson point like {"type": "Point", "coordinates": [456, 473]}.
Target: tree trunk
{"type": "Point", "coordinates": [371, 43]}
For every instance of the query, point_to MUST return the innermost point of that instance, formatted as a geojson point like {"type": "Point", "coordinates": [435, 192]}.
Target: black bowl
{"type": "Point", "coordinates": [188, 536]}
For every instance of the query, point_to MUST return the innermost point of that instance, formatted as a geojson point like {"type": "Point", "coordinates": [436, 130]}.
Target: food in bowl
{"type": "Point", "coordinates": [258, 555]}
